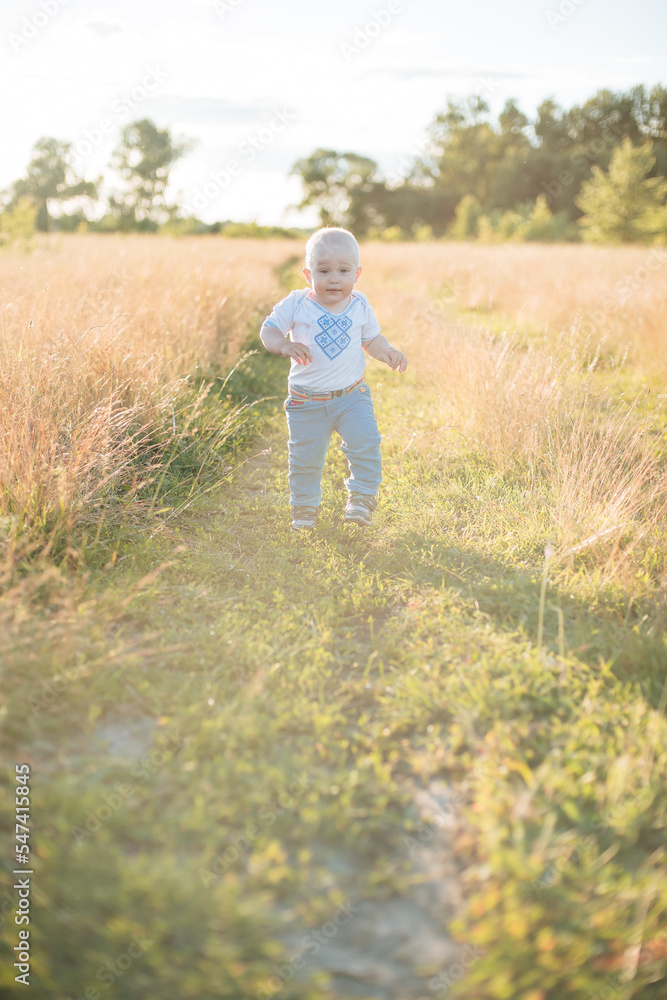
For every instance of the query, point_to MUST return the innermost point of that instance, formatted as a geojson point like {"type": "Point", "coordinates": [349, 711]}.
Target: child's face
{"type": "Point", "coordinates": [333, 276]}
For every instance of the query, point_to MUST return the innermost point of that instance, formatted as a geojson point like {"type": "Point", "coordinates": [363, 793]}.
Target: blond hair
{"type": "Point", "coordinates": [331, 236]}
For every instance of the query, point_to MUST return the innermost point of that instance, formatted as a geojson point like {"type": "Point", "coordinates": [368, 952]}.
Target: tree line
{"type": "Point", "coordinates": [142, 160]}
{"type": "Point", "coordinates": [596, 171]}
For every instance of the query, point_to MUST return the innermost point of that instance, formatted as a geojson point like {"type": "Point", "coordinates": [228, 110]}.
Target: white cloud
{"type": "Point", "coordinates": [210, 110]}
{"type": "Point", "coordinates": [226, 76]}
{"type": "Point", "coordinates": [635, 60]}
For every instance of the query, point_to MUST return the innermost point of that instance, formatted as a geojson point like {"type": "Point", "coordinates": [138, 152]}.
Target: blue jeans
{"type": "Point", "coordinates": [311, 424]}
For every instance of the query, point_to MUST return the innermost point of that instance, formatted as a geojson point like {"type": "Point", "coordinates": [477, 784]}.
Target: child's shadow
{"type": "Point", "coordinates": [508, 596]}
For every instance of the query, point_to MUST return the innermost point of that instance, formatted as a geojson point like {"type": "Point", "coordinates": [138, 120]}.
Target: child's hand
{"type": "Point", "coordinates": [395, 359]}
{"type": "Point", "coordinates": [299, 352]}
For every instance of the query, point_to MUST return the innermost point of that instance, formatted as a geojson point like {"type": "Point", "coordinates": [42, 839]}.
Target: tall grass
{"type": "Point", "coordinates": [109, 344]}
{"type": "Point", "coordinates": [569, 418]}
{"type": "Point", "coordinates": [514, 446]}
{"type": "Point", "coordinates": [617, 296]}
{"type": "Point", "coordinates": [106, 345]}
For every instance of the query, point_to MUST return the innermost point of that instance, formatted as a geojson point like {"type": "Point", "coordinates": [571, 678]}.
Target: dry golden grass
{"type": "Point", "coordinates": [614, 295]}
{"type": "Point", "coordinates": [253, 653]}
{"type": "Point", "coordinates": [98, 338]}
{"type": "Point", "coordinates": [536, 378]}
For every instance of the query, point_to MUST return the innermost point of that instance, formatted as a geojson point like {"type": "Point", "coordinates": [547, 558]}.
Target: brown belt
{"type": "Point", "coordinates": [320, 396]}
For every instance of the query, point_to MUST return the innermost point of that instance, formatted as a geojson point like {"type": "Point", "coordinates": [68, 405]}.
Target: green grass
{"type": "Point", "coordinates": [274, 701]}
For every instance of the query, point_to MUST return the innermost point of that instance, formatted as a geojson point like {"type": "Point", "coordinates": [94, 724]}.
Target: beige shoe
{"type": "Point", "coordinates": [359, 509]}
{"type": "Point", "coordinates": [303, 518]}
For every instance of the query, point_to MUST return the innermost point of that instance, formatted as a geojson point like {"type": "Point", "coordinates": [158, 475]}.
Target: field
{"type": "Point", "coordinates": [428, 758]}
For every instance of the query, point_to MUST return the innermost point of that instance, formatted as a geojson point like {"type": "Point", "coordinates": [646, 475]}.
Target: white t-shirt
{"type": "Point", "coordinates": [334, 339]}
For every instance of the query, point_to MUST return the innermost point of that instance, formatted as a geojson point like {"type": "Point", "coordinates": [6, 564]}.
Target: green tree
{"type": "Point", "coordinates": [344, 187]}
{"type": "Point", "coordinates": [625, 204]}
{"type": "Point", "coordinates": [527, 221]}
{"type": "Point", "coordinates": [411, 206]}
{"type": "Point", "coordinates": [525, 175]}
{"type": "Point", "coordinates": [462, 148]}
{"type": "Point", "coordinates": [541, 223]}
{"type": "Point", "coordinates": [18, 222]}
{"type": "Point", "coordinates": [469, 155]}
{"type": "Point", "coordinates": [144, 157]}
{"type": "Point", "coordinates": [467, 215]}
{"type": "Point", "coordinates": [50, 177]}
{"type": "Point", "coordinates": [572, 142]}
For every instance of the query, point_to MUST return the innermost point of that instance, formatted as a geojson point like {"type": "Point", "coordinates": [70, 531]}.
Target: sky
{"type": "Point", "coordinates": [258, 84]}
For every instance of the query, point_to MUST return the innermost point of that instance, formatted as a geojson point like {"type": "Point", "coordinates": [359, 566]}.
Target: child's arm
{"type": "Point", "coordinates": [276, 342]}
{"type": "Point", "coordinates": [380, 348]}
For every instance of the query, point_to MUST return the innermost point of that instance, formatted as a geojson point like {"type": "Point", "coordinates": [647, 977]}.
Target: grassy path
{"type": "Point", "coordinates": [275, 763]}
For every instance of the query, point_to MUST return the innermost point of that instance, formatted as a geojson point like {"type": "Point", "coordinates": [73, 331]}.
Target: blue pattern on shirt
{"type": "Point", "coordinates": [333, 338]}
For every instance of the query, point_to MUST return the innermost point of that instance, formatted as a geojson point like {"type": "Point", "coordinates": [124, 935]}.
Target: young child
{"type": "Point", "coordinates": [325, 330]}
